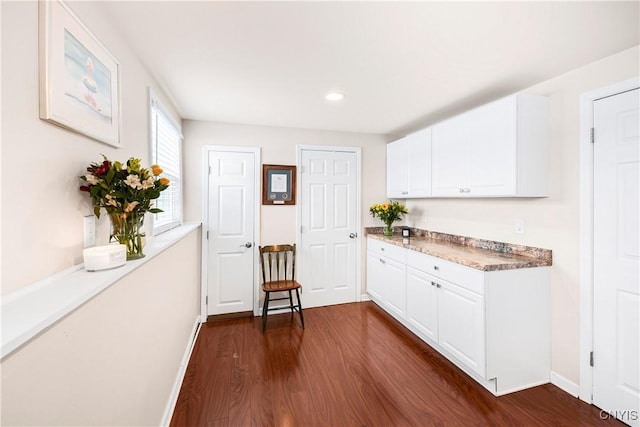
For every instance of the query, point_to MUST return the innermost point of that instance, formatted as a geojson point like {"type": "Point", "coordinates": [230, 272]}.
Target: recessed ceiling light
{"type": "Point", "coordinates": [334, 96]}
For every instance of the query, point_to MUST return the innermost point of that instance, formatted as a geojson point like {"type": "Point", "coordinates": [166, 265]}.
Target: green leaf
{"type": "Point", "coordinates": [110, 175]}
{"type": "Point", "coordinates": [96, 211]}
{"type": "Point", "coordinates": [155, 210]}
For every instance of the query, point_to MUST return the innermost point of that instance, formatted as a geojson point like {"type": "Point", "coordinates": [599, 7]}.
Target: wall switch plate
{"type": "Point", "coordinates": [89, 231]}
{"type": "Point", "coordinates": [519, 226]}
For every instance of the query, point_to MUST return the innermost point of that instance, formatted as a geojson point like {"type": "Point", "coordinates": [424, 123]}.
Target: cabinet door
{"type": "Point", "coordinates": [397, 171]}
{"type": "Point", "coordinates": [422, 303]}
{"type": "Point", "coordinates": [450, 158]}
{"type": "Point", "coordinates": [461, 323]}
{"type": "Point", "coordinates": [395, 296]}
{"type": "Point", "coordinates": [419, 163]}
{"type": "Point", "coordinates": [375, 277]}
{"type": "Point", "coordinates": [492, 149]}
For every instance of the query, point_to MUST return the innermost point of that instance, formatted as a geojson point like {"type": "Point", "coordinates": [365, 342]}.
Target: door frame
{"type": "Point", "coordinates": [204, 261]}
{"type": "Point", "coordinates": [333, 148]}
{"type": "Point", "coordinates": [586, 228]}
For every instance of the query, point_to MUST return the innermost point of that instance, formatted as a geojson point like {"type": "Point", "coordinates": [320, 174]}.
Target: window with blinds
{"type": "Point", "coordinates": [166, 152]}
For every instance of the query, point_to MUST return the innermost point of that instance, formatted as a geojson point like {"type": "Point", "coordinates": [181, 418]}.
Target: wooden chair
{"type": "Point", "coordinates": [278, 275]}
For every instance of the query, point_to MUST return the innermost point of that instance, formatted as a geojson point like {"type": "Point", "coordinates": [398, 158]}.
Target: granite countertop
{"type": "Point", "coordinates": [485, 255]}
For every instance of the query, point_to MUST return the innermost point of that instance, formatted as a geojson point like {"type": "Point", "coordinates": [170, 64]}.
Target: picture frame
{"type": "Point", "coordinates": [79, 77]}
{"type": "Point", "coordinates": [278, 185]}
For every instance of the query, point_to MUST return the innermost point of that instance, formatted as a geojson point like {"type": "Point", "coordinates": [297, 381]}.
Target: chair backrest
{"type": "Point", "coordinates": [278, 262]}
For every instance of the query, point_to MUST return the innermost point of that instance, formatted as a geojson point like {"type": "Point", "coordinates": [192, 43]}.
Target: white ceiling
{"type": "Point", "coordinates": [401, 65]}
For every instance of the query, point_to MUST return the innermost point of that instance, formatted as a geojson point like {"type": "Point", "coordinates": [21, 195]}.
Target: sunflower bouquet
{"type": "Point", "coordinates": [388, 212]}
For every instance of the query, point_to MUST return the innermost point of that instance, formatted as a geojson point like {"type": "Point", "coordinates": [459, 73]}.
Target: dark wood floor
{"type": "Point", "coordinates": [353, 365]}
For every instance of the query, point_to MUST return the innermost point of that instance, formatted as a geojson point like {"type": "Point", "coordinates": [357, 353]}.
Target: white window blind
{"type": "Point", "coordinates": [166, 146]}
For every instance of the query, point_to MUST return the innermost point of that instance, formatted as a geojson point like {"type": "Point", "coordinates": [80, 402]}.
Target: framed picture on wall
{"type": "Point", "coordinates": [79, 78]}
{"type": "Point", "coordinates": [278, 185]}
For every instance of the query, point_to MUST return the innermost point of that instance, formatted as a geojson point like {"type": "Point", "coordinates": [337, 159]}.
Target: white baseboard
{"type": "Point", "coordinates": [175, 391]}
{"type": "Point", "coordinates": [365, 297]}
{"type": "Point", "coordinates": [564, 384]}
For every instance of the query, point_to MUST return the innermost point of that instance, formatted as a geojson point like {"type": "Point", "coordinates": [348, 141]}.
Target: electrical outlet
{"type": "Point", "coordinates": [519, 226]}
{"type": "Point", "coordinates": [89, 231]}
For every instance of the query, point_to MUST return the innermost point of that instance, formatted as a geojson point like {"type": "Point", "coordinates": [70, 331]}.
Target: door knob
{"type": "Point", "coordinates": [247, 245]}
{"type": "Point", "coordinates": [353, 235]}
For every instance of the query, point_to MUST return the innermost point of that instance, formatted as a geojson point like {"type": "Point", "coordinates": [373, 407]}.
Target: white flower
{"type": "Point", "coordinates": [91, 179]}
{"type": "Point", "coordinates": [147, 183]}
{"type": "Point", "coordinates": [133, 181]}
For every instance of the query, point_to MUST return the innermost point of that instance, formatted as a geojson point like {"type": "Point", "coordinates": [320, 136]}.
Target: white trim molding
{"type": "Point", "coordinates": [564, 384]}
{"type": "Point", "coordinates": [586, 228]}
{"type": "Point", "coordinates": [177, 385]}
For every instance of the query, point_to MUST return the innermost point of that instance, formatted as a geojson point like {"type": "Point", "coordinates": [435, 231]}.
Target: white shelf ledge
{"type": "Point", "coordinates": [30, 310]}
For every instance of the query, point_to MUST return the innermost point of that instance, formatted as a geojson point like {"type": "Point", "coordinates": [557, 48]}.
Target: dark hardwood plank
{"type": "Point", "coordinates": [353, 365]}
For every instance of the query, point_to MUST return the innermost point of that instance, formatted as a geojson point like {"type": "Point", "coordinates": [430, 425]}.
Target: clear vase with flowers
{"type": "Point", "coordinates": [388, 212]}
{"type": "Point", "coordinates": [126, 191]}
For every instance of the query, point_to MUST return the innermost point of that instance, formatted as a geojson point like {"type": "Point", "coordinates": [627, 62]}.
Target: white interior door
{"type": "Point", "coordinates": [616, 216]}
{"type": "Point", "coordinates": [329, 209]}
{"type": "Point", "coordinates": [231, 246]}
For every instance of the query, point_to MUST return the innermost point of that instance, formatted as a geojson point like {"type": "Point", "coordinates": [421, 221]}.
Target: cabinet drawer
{"type": "Point", "coordinates": [379, 248]}
{"type": "Point", "coordinates": [463, 276]}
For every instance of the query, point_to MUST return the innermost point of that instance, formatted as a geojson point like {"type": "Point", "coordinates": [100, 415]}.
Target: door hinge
{"type": "Point", "coordinates": [207, 234]}
{"type": "Point", "coordinates": [592, 136]}
{"type": "Point", "coordinates": [209, 170]}
{"type": "Point", "coordinates": [591, 359]}
{"type": "Point", "coordinates": [206, 299]}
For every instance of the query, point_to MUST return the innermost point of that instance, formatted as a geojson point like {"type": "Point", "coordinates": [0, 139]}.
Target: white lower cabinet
{"type": "Point", "coordinates": [386, 273]}
{"type": "Point", "coordinates": [461, 325]}
{"type": "Point", "coordinates": [395, 297]}
{"type": "Point", "coordinates": [494, 325]}
{"type": "Point", "coordinates": [422, 303]}
{"type": "Point", "coordinates": [375, 277]}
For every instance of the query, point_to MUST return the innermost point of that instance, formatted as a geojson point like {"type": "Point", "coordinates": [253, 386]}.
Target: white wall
{"type": "Point", "coordinates": [42, 208]}
{"type": "Point", "coordinates": [278, 146]}
{"type": "Point", "coordinates": [114, 360]}
{"type": "Point", "coordinates": [552, 222]}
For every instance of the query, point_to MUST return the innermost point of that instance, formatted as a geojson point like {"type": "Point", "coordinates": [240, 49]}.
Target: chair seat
{"type": "Point", "coordinates": [281, 285]}
{"type": "Point", "coordinates": [278, 264]}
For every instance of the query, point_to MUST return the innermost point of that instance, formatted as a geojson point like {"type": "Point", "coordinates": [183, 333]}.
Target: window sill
{"type": "Point", "coordinates": [32, 309]}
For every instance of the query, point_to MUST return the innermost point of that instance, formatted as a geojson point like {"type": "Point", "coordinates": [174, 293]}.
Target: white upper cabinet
{"type": "Point", "coordinates": [397, 171]}
{"type": "Point", "coordinates": [409, 166]}
{"type": "Point", "coordinates": [497, 150]}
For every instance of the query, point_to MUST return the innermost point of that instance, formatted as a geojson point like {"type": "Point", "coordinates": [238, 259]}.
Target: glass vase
{"type": "Point", "coordinates": [387, 231]}
{"type": "Point", "coordinates": [126, 229]}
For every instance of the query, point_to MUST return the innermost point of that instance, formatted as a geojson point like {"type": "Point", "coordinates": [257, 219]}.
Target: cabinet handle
{"type": "Point", "coordinates": [467, 190]}
{"type": "Point", "coordinates": [382, 261]}
{"type": "Point", "coordinates": [438, 285]}
{"type": "Point", "coordinates": [433, 283]}
{"type": "Point", "coordinates": [382, 249]}
{"type": "Point", "coordinates": [460, 190]}
{"type": "Point", "coordinates": [405, 192]}
{"type": "Point", "coordinates": [436, 268]}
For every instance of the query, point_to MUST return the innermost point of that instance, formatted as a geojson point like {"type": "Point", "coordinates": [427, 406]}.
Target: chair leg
{"type": "Point", "coordinates": [265, 310]}
{"type": "Point", "coordinates": [291, 306]}
{"type": "Point", "coordinates": [300, 308]}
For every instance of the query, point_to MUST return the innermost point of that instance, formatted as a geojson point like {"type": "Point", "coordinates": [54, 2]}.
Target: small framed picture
{"type": "Point", "coordinates": [278, 185]}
